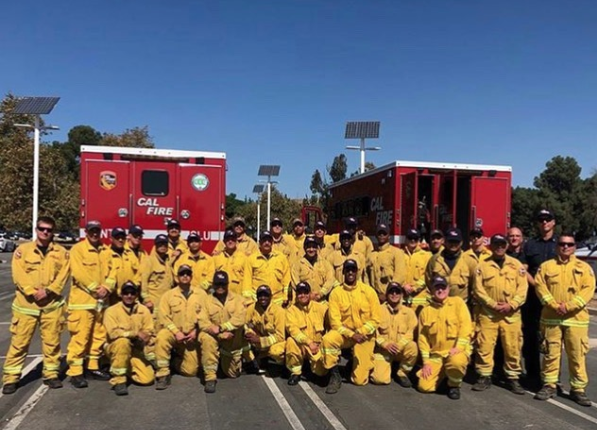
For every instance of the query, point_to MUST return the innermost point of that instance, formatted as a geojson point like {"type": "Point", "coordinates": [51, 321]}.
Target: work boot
{"type": "Point", "coordinates": [454, 393]}
{"type": "Point", "coordinates": [294, 379]}
{"type": "Point", "coordinates": [580, 397]}
{"type": "Point", "coordinates": [120, 390]}
{"type": "Point", "coordinates": [210, 387]}
{"type": "Point", "coordinates": [515, 387]}
{"type": "Point", "coordinates": [99, 375]}
{"type": "Point", "coordinates": [335, 381]}
{"type": "Point", "coordinates": [162, 382]}
{"type": "Point", "coordinates": [9, 388]}
{"type": "Point", "coordinates": [404, 382]}
{"type": "Point", "coordinates": [253, 368]}
{"type": "Point", "coordinates": [545, 393]}
{"type": "Point", "coordinates": [482, 384]}
{"type": "Point", "coordinates": [53, 383]}
{"type": "Point", "coordinates": [78, 381]}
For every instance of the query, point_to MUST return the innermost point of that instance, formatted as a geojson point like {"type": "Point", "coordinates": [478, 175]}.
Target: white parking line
{"type": "Point", "coordinates": [27, 407]}
{"type": "Point", "coordinates": [7, 295]}
{"type": "Point", "coordinates": [3, 357]}
{"type": "Point", "coordinates": [569, 409]}
{"type": "Point", "coordinates": [327, 413]}
{"type": "Point", "coordinates": [29, 368]}
{"type": "Point", "coordinates": [293, 420]}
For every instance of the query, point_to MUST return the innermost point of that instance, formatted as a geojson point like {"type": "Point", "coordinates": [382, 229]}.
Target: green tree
{"type": "Point", "coordinates": [137, 137]}
{"type": "Point", "coordinates": [233, 205]}
{"type": "Point", "coordinates": [525, 204]}
{"type": "Point", "coordinates": [368, 166]}
{"type": "Point", "coordinates": [337, 170]}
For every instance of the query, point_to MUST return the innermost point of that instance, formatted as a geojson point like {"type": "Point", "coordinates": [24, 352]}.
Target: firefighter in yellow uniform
{"type": "Point", "coordinates": [305, 324]}
{"type": "Point", "coordinates": [123, 265]}
{"type": "Point", "coordinates": [283, 243]}
{"type": "Point", "coordinates": [451, 265]}
{"type": "Point", "coordinates": [325, 241]}
{"type": "Point", "coordinates": [130, 331]}
{"type": "Point", "coordinates": [445, 330]}
{"type": "Point", "coordinates": [314, 270]}
{"type": "Point", "coordinates": [232, 261]}
{"type": "Point", "coordinates": [202, 263]}
{"type": "Point", "coordinates": [565, 285]}
{"type": "Point", "coordinates": [265, 330]}
{"type": "Point", "coordinates": [178, 316]}
{"type": "Point", "coordinates": [478, 251]}
{"type": "Point", "coordinates": [245, 244]}
{"type": "Point", "coordinates": [156, 275]}
{"type": "Point", "coordinates": [221, 325]}
{"type": "Point", "coordinates": [345, 252]}
{"type": "Point", "coordinates": [387, 263]}
{"type": "Point", "coordinates": [394, 339]}
{"type": "Point", "coordinates": [39, 270]}
{"type": "Point", "coordinates": [500, 290]}
{"type": "Point", "coordinates": [354, 314]}
{"type": "Point", "coordinates": [267, 267]}
{"type": "Point", "coordinates": [89, 295]}
{"type": "Point", "coordinates": [134, 243]}
{"type": "Point", "coordinates": [298, 234]}
{"type": "Point", "coordinates": [417, 293]}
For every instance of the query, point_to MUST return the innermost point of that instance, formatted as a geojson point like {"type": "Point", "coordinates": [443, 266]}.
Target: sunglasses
{"type": "Point", "coordinates": [187, 273]}
{"type": "Point", "coordinates": [541, 221]}
{"type": "Point", "coordinates": [129, 293]}
{"type": "Point", "coordinates": [566, 244]}
{"type": "Point", "coordinates": [120, 237]}
{"type": "Point", "coordinates": [137, 236]}
{"type": "Point", "coordinates": [351, 269]}
{"type": "Point", "coordinates": [276, 224]}
{"type": "Point", "coordinates": [45, 229]}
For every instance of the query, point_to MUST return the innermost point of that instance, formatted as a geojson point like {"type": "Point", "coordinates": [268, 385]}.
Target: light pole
{"type": "Point", "coordinates": [269, 171]}
{"type": "Point", "coordinates": [258, 189]}
{"type": "Point", "coordinates": [36, 106]}
{"type": "Point", "coordinates": [362, 130]}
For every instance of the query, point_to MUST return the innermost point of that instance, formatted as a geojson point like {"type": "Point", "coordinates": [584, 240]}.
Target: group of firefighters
{"type": "Point", "coordinates": [294, 299]}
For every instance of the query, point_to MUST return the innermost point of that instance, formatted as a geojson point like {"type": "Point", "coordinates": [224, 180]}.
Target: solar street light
{"type": "Point", "coordinates": [362, 130]}
{"type": "Point", "coordinates": [269, 171]}
{"type": "Point", "coordinates": [258, 189]}
{"type": "Point", "coordinates": [36, 106]}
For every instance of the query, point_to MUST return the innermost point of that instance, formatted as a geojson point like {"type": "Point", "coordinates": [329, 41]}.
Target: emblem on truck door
{"type": "Point", "coordinates": [108, 180]}
{"type": "Point", "coordinates": [200, 182]}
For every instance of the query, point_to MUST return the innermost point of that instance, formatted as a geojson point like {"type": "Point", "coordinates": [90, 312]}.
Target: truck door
{"type": "Point", "coordinates": [444, 209]}
{"type": "Point", "coordinates": [107, 197]}
{"type": "Point", "coordinates": [408, 202]}
{"type": "Point", "coordinates": [490, 199]}
{"type": "Point", "coordinates": [201, 205]}
{"type": "Point", "coordinates": [154, 195]}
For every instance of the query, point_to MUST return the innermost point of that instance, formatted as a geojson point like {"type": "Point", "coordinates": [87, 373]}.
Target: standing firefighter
{"type": "Point", "coordinates": [130, 331]}
{"type": "Point", "coordinates": [445, 330]}
{"type": "Point", "coordinates": [123, 265]}
{"type": "Point", "coordinates": [315, 270]}
{"type": "Point", "coordinates": [388, 263]}
{"type": "Point", "coordinates": [500, 289]}
{"type": "Point", "coordinates": [88, 297]}
{"type": "Point", "coordinates": [40, 270]}
{"type": "Point", "coordinates": [416, 262]}
{"type": "Point", "coordinates": [232, 261]}
{"type": "Point", "coordinates": [221, 322]}
{"type": "Point", "coordinates": [395, 339]}
{"type": "Point", "coordinates": [156, 274]}
{"type": "Point", "coordinates": [354, 315]}
{"type": "Point", "coordinates": [565, 285]}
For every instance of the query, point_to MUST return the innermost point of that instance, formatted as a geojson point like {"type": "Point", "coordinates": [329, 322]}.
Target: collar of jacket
{"type": "Point", "coordinates": [393, 310]}
{"type": "Point", "coordinates": [130, 310]}
{"type": "Point", "coordinates": [571, 260]}
{"type": "Point", "coordinates": [92, 248]}
{"type": "Point", "coordinates": [384, 246]}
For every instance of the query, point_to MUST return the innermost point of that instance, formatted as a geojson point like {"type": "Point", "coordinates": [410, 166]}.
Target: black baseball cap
{"type": "Point", "coordinates": [160, 238]}
{"type": "Point", "coordinates": [394, 286]}
{"type": "Point", "coordinates": [220, 278]}
{"type": "Point", "coordinates": [383, 228]}
{"type": "Point", "coordinates": [265, 235]}
{"type": "Point", "coordinates": [263, 290]}
{"type": "Point", "coordinates": [135, 229]}
{"type": "Point", "coordinates": [498, 238]}
{"type": "Point", "coordinates": [275, 221]}
{"type": "Point", "coordinates": [193, 236]}
{"type": "Point", "coordinates": [477, 231]}
{"type": "Point", "coordinates": [173, 223]}
{"type": "Point", "coordinates": [310, 241]}
{"type": "Point", "coordinates": [344, 233]}
{"type": "Point", "coordinates": [303, 286]}
{"type": "Point", "coordinates": [436, 232]}
{"type": "Point", "coordinates": [545, 214]}
{"type": "Point", "coordinates": [350, 263]}
{"type": "Point", "coordinates": [413, 234]}
{"type": "Point", "coordinates": [453, 235]}
{"type": "Point", "coordinates": [320, 225]}
{"type": "Point", "coordinates": [118, 231]}
{"type": "Point", "coordinates": [351, 221]}
{"type": "Point", "coordinates": [129, 285]}
{"type": "Point", "coordinates": [438, 280]}
{"type": "Point", "coordinates": [229, 234]}
{"type": "Point", "coordinates": [93, 224]}
{"type": "Point", "coordinates": [184, 268]}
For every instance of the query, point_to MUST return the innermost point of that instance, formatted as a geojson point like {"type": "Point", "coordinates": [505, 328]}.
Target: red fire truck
{"type": "Point", "coordinates": [426, 196]}
{"type": "Point", "coordinates": [124, 186]}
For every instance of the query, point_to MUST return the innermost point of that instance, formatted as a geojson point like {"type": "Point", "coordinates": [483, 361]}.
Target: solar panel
{"type": "Point", "coordinates": [36, 105]}
{"type": "Point", "coordinates": [268, 170]}
{"type": "Point", "coordinates": [362, 130]}
{"type": "Point", "coordinates": [258, 189]}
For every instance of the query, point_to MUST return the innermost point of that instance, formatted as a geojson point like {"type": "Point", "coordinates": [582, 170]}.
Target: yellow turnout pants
{"type": "Point", "coordinates": [362, 353]}
{"type": "Point", "coordinates": [296, 355]}
{"type": "Point", "coordinates": [187, 361]}
{"type": "Point", "coordinates": [227, 353]}
{"type": "Point", "coordinates": [88, 336]}
{"type": "Point", "coordinates": [128, 359]}
{"type": "Point", "coordinates": [452, 367]}
{"type": "Point", "coordinates": [382, 365]}
{"type": "Point", "coordinates": [510, 334]}
{"type": "Point", "coordinates": [576, 345]}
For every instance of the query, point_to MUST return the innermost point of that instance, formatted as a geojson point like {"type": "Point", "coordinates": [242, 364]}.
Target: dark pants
{"type": "Point", "coordinates": [531, 314]}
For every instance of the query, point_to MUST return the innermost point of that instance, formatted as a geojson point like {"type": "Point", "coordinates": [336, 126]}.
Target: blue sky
{"type": "Point", "coordinates": [274, 82]}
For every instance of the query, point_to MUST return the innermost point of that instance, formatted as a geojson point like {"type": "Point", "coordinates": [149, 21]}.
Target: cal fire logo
{"type": "Point", "coordinates": [108, 180]}
{"type": "Point", "coordinates": [200, 182]}
{"type": "Point", "coordinates": [154, 208]}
